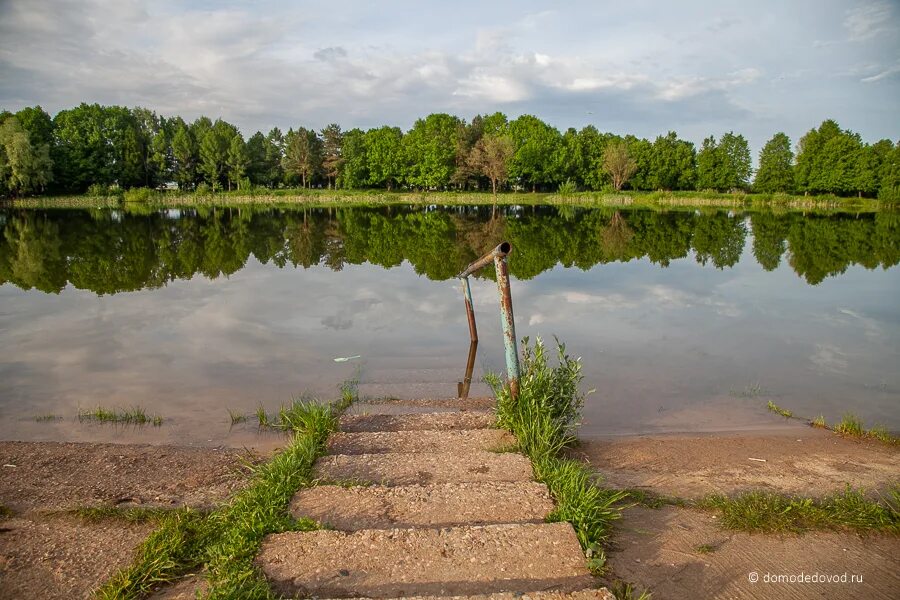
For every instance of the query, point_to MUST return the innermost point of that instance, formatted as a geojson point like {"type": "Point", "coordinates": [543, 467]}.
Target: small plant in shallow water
{"type": "Point", "coordinates": [781, 411]}
{"type": "Point", "coordinates": [236, 416]}
{"type": "Point", "coordinates": [131, 416]}
{"type": "Point", "coordinates": [850, 424]}
{"type": "Point", "coordinates": [47, 418]}
{"type": "Point", "coordinates": [819, 422]}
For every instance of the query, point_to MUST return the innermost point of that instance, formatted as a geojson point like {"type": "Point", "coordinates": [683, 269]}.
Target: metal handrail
{"type": "Point", "coordinates": [499, 257]}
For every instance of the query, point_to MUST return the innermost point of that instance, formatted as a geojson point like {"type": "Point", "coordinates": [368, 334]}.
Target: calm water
{"type": "Point", "coordinates": [686, 321]}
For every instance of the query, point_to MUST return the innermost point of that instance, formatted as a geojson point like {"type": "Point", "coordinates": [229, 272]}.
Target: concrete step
{"type": "Point", "coordinates": [443, 505]}
{"type": "Point", "coordinates": [411, 469]}
{"type": "Point", "coordinates": [443, 421]}
{"type": "Point", "coordinates": [387, 563]}
{"type": "Point", "coordinates": [447, 442]}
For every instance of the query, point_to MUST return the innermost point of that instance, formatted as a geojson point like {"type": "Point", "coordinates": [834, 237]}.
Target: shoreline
{"type": "Point", "coordinates": [331, 198]}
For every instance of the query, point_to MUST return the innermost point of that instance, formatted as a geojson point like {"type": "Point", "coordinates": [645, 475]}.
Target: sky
{"type": "Point", "coordinates": [700, 68]}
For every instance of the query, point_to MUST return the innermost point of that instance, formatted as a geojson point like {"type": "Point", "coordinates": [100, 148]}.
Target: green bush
{"type": "Point", "coordinates": [202, 189]}
{"type": "Point", "coordinates": [139, 195]}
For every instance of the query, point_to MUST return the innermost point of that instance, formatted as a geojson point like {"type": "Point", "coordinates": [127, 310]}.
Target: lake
{"type": "Point", "coordinates": [686, 321]}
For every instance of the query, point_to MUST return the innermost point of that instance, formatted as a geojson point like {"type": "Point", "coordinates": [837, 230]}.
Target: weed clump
{"type": "Point", "coordinates": [135, 415]}
{"type": "Point", "coordinates": [781, 411]}
{"type": "Point", "coordinates": [850, 424]}
{"type": "Point", "coordinates": [544, 418]}
{"type": "Point", "coordinates": [770, 512]}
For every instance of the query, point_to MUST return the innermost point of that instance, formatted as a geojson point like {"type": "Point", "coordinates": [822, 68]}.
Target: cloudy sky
{"type": "Point", "coordinates": [629, 67]}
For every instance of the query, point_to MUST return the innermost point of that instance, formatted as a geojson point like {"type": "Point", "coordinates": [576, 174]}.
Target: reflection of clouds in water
{"type": "Point", "coordinates": [830, 359]}
{"type": "Point", "coordinates": [871, 328]}
{"type": "Point", "coordinates": [337, 322]}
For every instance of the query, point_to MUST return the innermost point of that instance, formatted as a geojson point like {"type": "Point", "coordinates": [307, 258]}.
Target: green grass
{"type": "Point", "coordinates": [130, 514]}
{"type": "Point", "coordinates": [850, 424]}
{"type": "Point", "coordinates": [819, 422]}
{"type": "Point", "coordinates": [236, 416]}
{"type": "Point", "coordinates": [705, 548]}
{"type": "Point", "coordinates": [130, 416]}
{"type": "Point", "coordinates": [781, 411]}
{"type": "Point", "coordinates": [227, 540]}
{"type": "Point", "coordinates": [544, 418]}
{"type": "Point", "coordinates": [770, 512]}
{"type": "Point", "coordinates": [5, 512]}
{"type": "Point", "coordinates": [625, 591]}
{"type": "Point", "coordinates": [47, 418]}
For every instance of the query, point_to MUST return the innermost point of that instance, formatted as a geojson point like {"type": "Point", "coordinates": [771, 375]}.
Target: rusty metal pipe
{"type": "Point", "coordinates": [508, 322]}
{"type": "Point", "coordinates": [501, 250]}
{"type": "Point", "coordinates": [470, 310]}
{"type": "Point", "coordinates": [462, 388]}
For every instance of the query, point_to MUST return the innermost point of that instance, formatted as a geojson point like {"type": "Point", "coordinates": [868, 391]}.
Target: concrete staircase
{"type": "Point", "coordinates": [426, 504]}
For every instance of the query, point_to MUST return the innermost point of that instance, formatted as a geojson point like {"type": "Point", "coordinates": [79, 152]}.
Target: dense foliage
{"type": "Point", "coordinates": [114, 251]}
{"type": "Point", "coordinates": [91, 148]}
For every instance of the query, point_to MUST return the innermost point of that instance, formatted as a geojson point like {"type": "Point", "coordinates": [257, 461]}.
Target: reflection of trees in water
{"type": "Point", "coordinates": [113, 251]}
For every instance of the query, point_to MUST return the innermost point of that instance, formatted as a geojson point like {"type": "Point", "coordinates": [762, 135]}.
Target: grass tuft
{"type": "Point", "coordinates": [770, 512]}
{"type": "Point", "coordinates": [135, 415]}
{"type": "Point", "coordinates": [47, 417]}
{"type": "Point", "coordinates": [130, 514]}
{"type": "Point", "coordinates": [5, 512]}
{"type": "Point", "coordinates": [652, 500]}
{"type": "Point", "coordinates": [625, 591]}
{"type": "Point", "coordinates": [752, 390]}
{"type": "Point", "coordinates": [819, 422]}
{"type": "Point", "coordinates": [850, 424]}
{"type": "Point", "coordinates": [236, 416]}
{"type": "Point", "coordinates": [175, 548]}
{"type": "Point", "coordinates": [544, 418]}
{"type": "Point", "coordinates": [781, 411]}
{"type": "Point", "coordinates": [705, 548]}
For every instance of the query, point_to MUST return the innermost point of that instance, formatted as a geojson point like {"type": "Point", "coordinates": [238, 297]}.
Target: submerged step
{"type": "Point", "coordinates": [410, 469]}
{"type": "Point", "coordinates": [387, 563]}
{"type": "Point", "coordinates": [442, 505]}
{"type": "Point", "coordinates": [457, 419]}
{"type": "Point", "coordinates": [394, 405]}
{"type": "Point", "coordinates": [455, 441]}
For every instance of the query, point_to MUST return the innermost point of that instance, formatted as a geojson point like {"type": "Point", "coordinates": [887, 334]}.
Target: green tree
{"type": "Point", "coordinates": [184, 157]}
{"type": "Point", "coordinates": [257, 168]}
{"type": "Point", "coordinates": [236, 161]}
{"type": "Point", "coordinates": [302, 154]}
{"type": "Point", "coordinates": [24, 167]}
{"type": "Point", "coordinates": [385, 158]}
{"type": "Point", "coordinates": [213, 152]}
{"type": "Point", "coordinates": [672, 163]}
{"type": "Point", "coordinates": [734, 162]}
{"type": "Point", "coordinates": [332, 140]}
{"type": "Point", "coordinates": [353, 172]}
{"type": "Point", "coordinates": [274, 157]}
{"type": "Point", "coordinates": [535, 143]}
{"type": "Point", "coordinates": [776, 169]}
{"type": "Point", "coordinates": [708, 165]}
{"type": "Point", "coordinates": [430, 151]}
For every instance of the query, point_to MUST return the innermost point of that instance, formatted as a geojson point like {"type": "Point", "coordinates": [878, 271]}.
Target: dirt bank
{"type": "Point", "coordinates": [44, 554]}
{"type": "Point", "coordinates": [801, 460]}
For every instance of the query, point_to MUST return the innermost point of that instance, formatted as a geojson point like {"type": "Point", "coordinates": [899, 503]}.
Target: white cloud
{"type": "Point", "coordinates": [868, 21]}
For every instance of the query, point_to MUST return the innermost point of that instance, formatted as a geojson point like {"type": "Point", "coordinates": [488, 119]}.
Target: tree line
{"type": "Point", "coordinates": [114, 251]}
{"type": "Point", "coordinates": [91, 148]}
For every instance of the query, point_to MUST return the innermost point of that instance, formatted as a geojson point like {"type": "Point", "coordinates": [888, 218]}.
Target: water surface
{"type": "Point", "coordinates": [686, 321]}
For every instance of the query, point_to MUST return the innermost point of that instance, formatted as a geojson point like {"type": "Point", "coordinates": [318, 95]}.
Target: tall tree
{"type": "Point", "coordinates": [183, 157]}
{"type": "Point", "coordinates": [332, 139]}
{"type": "Point", "coordinates": [385, 158]}
{"type": "Point", "coordinates": [490, 157]}
{"type": "Point", "coordinates": [430, 149]}
{"type": "Point", "coordinates": [353, 170]}
{"type": "Point", "coordinates": [734, 162]}
{"type": "Point", "coordinates": [618, 162]}
{"type": "Point", "coordinates": [302, 154]}
{"type": "Point", "coordinates": [672, 163]}
{"type": "Point", "coordinates": [256, 156]}
{"type": "Point", "coordinates": [776, 169]}
{"type": "Point", "coordinates": [275, 157]}
{"type": "Point", "coordinates": [708, 165]}
{"type": "Point", "coordinates": [236, 161]}
{"type": "Point", "coordinates": [24, 167]}
{"type": "Point", "coordinates": [534, 143]}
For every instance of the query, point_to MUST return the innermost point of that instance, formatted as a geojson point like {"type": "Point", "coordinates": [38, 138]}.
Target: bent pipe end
{"type": "Point", "coordinates": [500, 251]}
